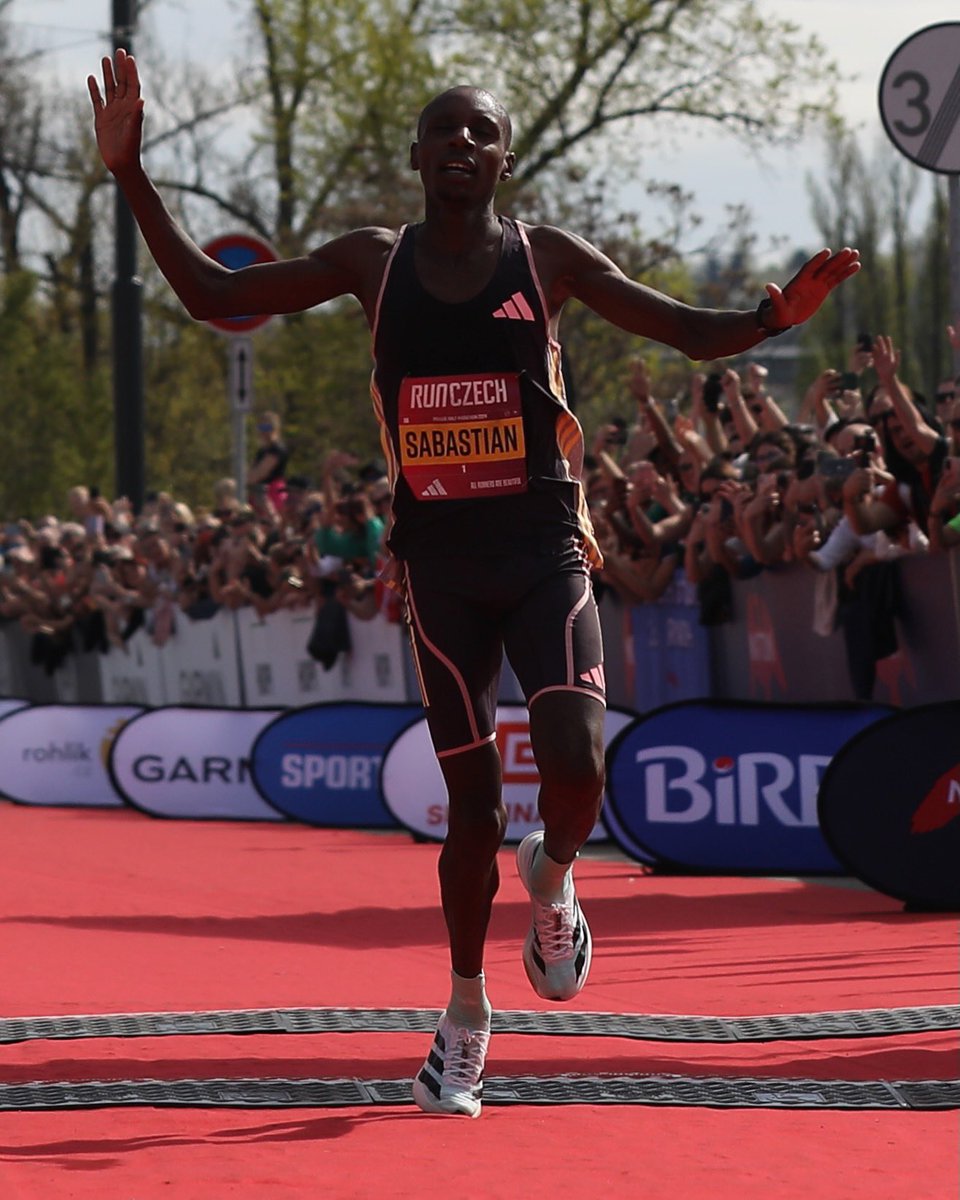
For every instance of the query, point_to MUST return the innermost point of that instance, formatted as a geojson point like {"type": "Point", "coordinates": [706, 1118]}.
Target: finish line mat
{"type": "Point", "coordinates": [875, 1022]}
{"type": "Point", "coordinates": [660, 1090]}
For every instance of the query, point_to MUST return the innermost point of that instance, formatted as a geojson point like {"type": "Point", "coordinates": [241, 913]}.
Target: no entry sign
{"type": "Point", "coordinates": [235, 250]}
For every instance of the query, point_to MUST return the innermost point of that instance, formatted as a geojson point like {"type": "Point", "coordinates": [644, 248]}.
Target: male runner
{"type": "Point", "coordinates": [490, 528]}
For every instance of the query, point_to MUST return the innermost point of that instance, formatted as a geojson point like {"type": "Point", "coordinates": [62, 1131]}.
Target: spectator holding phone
{"type": "Point", "coordinates": [914, 451]}
{"type": "Point", "coordinates": [943, 520]}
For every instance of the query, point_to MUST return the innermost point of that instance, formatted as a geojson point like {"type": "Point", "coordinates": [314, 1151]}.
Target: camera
{"type": "Point", "coordinates": [836, 469]}
{"type": "Point", "coordinates": [865, 342]}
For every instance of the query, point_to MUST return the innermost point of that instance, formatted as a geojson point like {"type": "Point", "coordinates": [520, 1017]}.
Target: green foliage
{"type": "Point", "coordinates": [902, 291]}
{"type": "Point", "coordinates": [56, 422]}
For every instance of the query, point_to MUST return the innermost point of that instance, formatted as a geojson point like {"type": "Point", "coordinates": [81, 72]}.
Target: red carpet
{"type": "Point", "coordinates": [113, 912]}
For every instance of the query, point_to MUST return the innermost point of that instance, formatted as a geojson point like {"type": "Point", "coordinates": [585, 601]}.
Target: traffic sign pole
{"type": "Point", "coordinates": [236, 250]}
{"type": "Point", "coordinates": [241, 403]}
{"type": "Point", "coordinates": [955, 263]}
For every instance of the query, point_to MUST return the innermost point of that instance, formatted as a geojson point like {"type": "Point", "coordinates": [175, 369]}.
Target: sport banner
{"type": "Point", "coordinates": [890, 806]}
{"type": "Point", "coordinates": [727, 786]}
{"type": "Point", "coordinates": [321, 764]}
{"type": "Point", "coordinates": [413, 786]}
{"type": "Point", "coordinates": [57, 754]}
{"type": "Point", "coordinates": [191, 763]}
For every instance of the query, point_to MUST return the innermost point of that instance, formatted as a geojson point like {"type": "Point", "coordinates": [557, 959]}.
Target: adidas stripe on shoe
{"type": "Point", "coordinates": [451, 1079]}
{"type": "Point", "coordinates": [558, 948]}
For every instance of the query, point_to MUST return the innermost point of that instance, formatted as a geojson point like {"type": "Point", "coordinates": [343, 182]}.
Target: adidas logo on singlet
{"type": "Point", "coordinates": [434, 489]}
{"type": "Point", "coordinates": [515, 309]}
{"type": "Point", "coordinates": [595, 676]}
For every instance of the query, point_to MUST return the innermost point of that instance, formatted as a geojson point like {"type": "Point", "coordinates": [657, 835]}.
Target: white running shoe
{"type": "Point", "coordinates": [558, 949]}
{"type": "Point", "coordinates": [451, 1080]}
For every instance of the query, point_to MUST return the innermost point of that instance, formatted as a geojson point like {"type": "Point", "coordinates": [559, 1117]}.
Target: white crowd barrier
{"type": "Point", "coordinates": [233, 659]}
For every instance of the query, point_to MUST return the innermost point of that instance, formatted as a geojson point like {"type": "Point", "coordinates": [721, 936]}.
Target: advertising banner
{"type": "Point", "coordinates": [201, 662]}
{"type": "Point", "coordinates": [890, 806]}
{"type": "Point", "coordinates": [413, 786]}
{"type": "Point", "coordinates": [134, 673]}
{"type": "Point", "coordinates": [277, 669]}
{"type": "Point", "coordinates": [10, 681]}
{"type": "Point", "coordinates": [56, 754]}
{"type": "Point", "coordinates": [191, 763]}
{"type": "Point", "coordinates": [9, 705]}
{"type": "Point", "coordinates": [321, 764]}
{"type": "Point", "coordinates": [672, 648]}
{"type": "Point", "coordinates": [729, 787]}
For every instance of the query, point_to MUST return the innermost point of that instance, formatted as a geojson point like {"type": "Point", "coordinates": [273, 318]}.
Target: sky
{"type": "Point", "coordinates": [860, 35]}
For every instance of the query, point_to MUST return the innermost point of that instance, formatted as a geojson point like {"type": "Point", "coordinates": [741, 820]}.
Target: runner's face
{"type": "Point", "coordinates": [462, 147]}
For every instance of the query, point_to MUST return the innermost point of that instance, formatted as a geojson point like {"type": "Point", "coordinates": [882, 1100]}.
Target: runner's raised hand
{"type": "Point", "coordinates": [118, 113]}
{"type": "Point", "coordinates": [808, 289]}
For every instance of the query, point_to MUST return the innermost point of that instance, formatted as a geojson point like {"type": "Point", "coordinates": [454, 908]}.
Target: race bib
{"type": "Point", "coordinates": [461, 436]}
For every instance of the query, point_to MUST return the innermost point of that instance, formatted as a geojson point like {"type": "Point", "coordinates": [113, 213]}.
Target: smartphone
{"type": "Point", "coordinates": [837, 469]}
{"type": "Point", "coordinates": [865, 342]}
{"type": "Point", "coordinates": [712, 391]}
{"type": "Point", "coordinates": [864, 444]}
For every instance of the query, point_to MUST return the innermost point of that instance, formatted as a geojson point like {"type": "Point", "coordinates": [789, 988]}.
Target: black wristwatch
{"type": "Point", "coordinates": [766, 306]}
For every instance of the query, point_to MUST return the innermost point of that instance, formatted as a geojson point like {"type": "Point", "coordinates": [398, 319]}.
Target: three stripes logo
{"type": "Point", "coordinates": [515, 309]}
{"type": "Point", "coordinates": [595, 676]}
{"type": "Point", "coordinates": [434, 489]}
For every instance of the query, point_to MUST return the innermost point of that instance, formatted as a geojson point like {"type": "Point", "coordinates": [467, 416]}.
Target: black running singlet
{"type": "Point", "coordinates": [483, 453]}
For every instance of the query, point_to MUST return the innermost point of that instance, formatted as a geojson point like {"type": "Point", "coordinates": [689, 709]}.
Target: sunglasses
{"type": "Point", "coordinates": [945, 396]}
{"type": "Point", "coordinates": [955, 423]}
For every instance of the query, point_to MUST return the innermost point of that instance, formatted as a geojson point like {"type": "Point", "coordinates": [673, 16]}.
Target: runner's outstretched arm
{"type": "Point", "coordinates": [206, 288]}
{"type": "Point", "coordinates": [580, 270]}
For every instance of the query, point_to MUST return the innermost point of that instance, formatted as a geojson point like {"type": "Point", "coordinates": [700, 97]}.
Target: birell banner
{"type": "Point", "coordinates": [415, 793]}
{"type": "Point", "coordinates": [728, 787]}
{"type": "Point", "coordinates": [321, 764]}
{"type": "Point", "coordinates": [192, 763]}
{"type": "Point", "coordinates": [57, 754]}
{"type": "Point", "coordinates": [890, 806]}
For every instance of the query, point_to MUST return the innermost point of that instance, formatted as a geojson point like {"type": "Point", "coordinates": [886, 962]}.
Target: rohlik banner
{"type": "Point", "coordinates": [192, 763]}
{"type": "Point", "coordinates": [321, 764]}
{"type": "Point", "coordinates": [413, 786]}
{"type": "Point", "coordinates": [727, 786]}
{"type": "Point", "coordinates": [56, 754]}
{"type": "Point", "coordinates": [890, 806]}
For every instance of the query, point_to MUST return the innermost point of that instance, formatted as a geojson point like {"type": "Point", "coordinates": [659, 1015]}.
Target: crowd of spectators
{"type": "Point", "coordinates": [718, 485]}
{"type": "Point", "coordinates": [868, 472]}
{"type": "Point", "coordinates": [92, 580]}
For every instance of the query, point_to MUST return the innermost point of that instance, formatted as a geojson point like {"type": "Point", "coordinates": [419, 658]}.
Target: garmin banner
{"type": "Point", "coordinates": [890, 806]}
{"type": "Point", "coordinates": [191, 763]}
{"type": "Point", "coordinates": [56, 754]}
{"type": "Point", "coordinates": [321, 764]}
{"type": "Point", "coordinates": [414, 791]}
{"type": "Point", "coordinates": [728, 787]}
